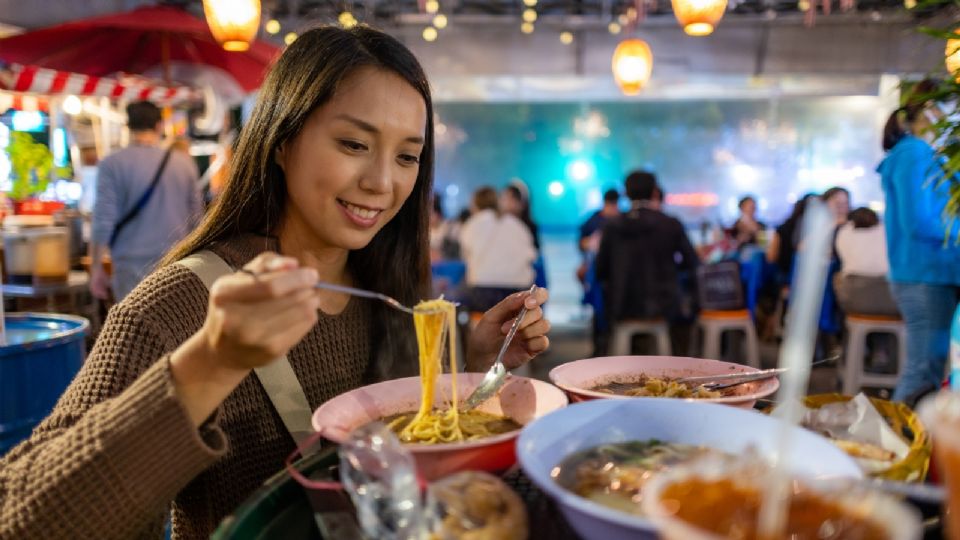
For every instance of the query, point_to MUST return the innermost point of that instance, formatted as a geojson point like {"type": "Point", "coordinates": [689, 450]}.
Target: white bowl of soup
{"type": "Point", "coordinates": [519, 402]}
{"type": "Point", "coordinates": [592, 378]}
{"type": "Point", "coordinates": [565, 439]}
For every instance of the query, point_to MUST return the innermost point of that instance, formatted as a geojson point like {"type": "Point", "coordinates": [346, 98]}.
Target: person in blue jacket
{"type": "Point", "coordinates": [922, 250]}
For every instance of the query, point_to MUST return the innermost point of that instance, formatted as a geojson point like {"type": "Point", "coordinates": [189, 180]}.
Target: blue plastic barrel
{"type": "Point", "coordinates": [44, 352]}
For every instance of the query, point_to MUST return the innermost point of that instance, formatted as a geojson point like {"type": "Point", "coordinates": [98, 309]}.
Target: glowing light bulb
{"type": "Point", "coordinates": [440, 21]}
{"type": "Point", "coordinates": [290, 38]}
{"type": "Point", "coordinates": [566, 38]}
{"type": "Point", "coordinates": [272, 26]}
{"type": "Point", "coordinates": [430, 34]}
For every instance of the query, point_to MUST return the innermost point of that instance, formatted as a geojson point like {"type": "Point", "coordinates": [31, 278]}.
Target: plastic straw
{"type": "Point", "coordinates": [796, 354]}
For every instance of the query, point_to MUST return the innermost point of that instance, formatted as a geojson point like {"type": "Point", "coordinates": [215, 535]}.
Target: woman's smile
{"type": "Point", "coordinates": [362, 216]}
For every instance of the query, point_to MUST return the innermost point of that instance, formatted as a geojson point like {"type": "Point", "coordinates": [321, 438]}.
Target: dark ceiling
{"type": "Point", "coordinates": [394, 11]}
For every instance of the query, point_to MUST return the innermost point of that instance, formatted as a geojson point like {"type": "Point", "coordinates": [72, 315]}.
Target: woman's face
{"type": "Point", "coordinates": [839, 205]}
{"type": "Point", "coordinates": [749, 208]}
{"type": "Point", "coordinates": [355, 162]}
{"type": "Point", "coordinates": [509, 204]}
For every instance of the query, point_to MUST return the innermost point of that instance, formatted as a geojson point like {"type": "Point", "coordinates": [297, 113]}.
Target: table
{"type": "Point", "coordinates": [77, 282]}
{"type": "Point", "coordinates": [281, 508]}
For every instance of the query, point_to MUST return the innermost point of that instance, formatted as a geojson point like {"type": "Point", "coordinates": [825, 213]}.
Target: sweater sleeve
{"type": "Point", "coordinates": [116, 449]}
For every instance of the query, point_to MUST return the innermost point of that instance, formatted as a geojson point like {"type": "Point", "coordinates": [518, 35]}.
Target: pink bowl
{"type": "Point", "coordinates": [520, 399]}
{"type": "Point", "coordinates": [579, 377]}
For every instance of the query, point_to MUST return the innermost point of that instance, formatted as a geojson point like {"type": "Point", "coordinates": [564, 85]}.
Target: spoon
{"type": "Point", "coordinates": [497, 374]}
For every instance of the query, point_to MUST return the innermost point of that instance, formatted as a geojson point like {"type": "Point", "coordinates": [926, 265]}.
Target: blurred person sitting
{"type": "Point", "coordinates": [641, 254]}
{"type": "Point", "coordinates": [148, 199]}
{"type": "Point", "coordinates": [498, 250]}
{"type": "Point", "coordinates": [444, 245]}
{"type": "Point", "coordinates": [837, 200]}
{"type": "Point", "coordinates": [861, 284]}
{"type": "Point", "coordinates": [782, 250]}
{"type": "Point", "coordinates": [515, 200]}
{"type": "Point", "coordinates": [746, 230]}
{"type": "Point", "coordinates": [590, 231]}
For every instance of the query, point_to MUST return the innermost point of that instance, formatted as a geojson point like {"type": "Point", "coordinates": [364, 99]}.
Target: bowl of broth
{"type": "Point", "coordinates": [492, 430]}
{"type": "Point", "coordinates": [594, 458]}
{"type": "Point", "coordinates": [625, 377]}
{"type": "Point", "coordinates": [715, 500]}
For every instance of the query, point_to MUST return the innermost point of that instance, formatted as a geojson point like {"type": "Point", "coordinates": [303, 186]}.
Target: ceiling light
{"type": "Point", "coordinates": [632, 65]}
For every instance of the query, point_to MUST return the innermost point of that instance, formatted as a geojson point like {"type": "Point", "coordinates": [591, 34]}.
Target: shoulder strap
{"type": "Point", "coordinates": [277, 378]}
{"type": "Point", "coordinates": [142, 201]}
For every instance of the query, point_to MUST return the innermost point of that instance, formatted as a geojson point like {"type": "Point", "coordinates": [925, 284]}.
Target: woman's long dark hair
{"type": "Point", "coordinates": [396, 262]}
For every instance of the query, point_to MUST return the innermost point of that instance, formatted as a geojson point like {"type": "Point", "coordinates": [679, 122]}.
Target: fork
{"type": "Point", "coordinates": [390, 301]}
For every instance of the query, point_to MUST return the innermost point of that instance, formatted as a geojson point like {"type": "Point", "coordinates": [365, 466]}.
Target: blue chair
{"type": "Point", "coordinates": [448, 278]}
{"type": "Point", "coordinates": [540, 269]}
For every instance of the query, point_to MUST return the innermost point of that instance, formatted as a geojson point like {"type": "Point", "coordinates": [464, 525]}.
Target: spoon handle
{"type": "Point", "coordinates": [514, 328]}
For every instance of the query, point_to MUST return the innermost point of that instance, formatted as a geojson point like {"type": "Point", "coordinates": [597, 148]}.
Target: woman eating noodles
{"type": "Point", "coordinates": [331, 181]}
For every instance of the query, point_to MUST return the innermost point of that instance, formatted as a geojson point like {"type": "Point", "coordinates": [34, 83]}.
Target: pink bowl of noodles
{"type": "Point", "coordinates": [521, 399]}
{"type": "Point", "coordinates": [583, 380]}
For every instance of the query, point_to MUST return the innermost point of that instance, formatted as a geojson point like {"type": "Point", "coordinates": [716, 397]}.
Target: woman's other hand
{"type": "Point", "coordinates": [531, 339]}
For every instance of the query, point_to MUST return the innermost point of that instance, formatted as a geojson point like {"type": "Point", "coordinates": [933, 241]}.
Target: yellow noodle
{"type": "Point", "coordinates": [435, 323]}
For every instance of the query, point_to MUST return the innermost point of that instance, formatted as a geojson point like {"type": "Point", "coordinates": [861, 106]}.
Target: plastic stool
{"type": "Point", "coordinates": [715, 323]}
{"type": "Point", "coordinates": [623, 332]}
{"type": "Point", "coordinates": [858, 328]}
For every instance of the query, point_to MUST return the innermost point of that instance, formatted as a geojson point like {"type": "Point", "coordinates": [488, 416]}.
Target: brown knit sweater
{"type": "Point", "coordinates": [118, 447]}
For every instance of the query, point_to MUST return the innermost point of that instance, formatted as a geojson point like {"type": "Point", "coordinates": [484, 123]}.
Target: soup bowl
{"type": "Point", "coordinates": [579, 378]}
{"type": "Point", "coordinates": [545, 443]}
{"type": "Point", "coordinates": [521, 399]}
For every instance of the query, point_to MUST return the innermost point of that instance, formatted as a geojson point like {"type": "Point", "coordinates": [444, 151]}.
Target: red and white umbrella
{"type": "Point", "coordinates": [18, 79]}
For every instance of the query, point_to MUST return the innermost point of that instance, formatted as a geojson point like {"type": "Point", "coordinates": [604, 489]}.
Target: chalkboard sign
{"type": "Point", "coordinates": [719, 286]}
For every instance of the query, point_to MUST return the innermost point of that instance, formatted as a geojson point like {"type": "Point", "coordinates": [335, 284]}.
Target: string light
{"type": "Point", "coordinates": [614, 28]}
{"type": "Point", "coordinates": [952, 54]}
{"type": "Point", "coordinates": [430, 33]}
{"type": "Point", "coordinates": [272, 26]}
{"type": "Point", "coordinates": [566, 38]}
{"type": "Point", "coordinates": [700, 17]}
{"type": "Point", "coordinates": [529, 15]}
{"type": "Point", "coordinates": [347, 20]}
{"type": "Point", "coordinates": [431, 6]}
{"type": "Point", "coordinates": [440, 21]}
{"type": "Point", "coordinates": [290, 38]}
{"type": "Point", "coordinates": [526, 28]}
{"type": "Point", "coordinates": [529, 3]}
